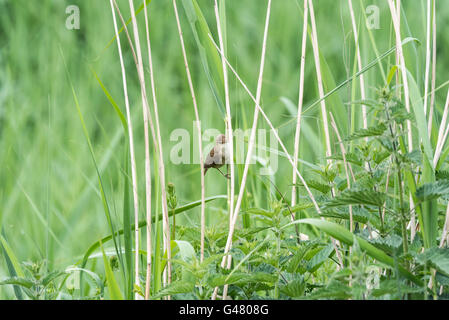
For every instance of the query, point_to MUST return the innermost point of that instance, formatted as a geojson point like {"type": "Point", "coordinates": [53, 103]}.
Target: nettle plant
{"type": "Point", "coordinates": [380, 213]}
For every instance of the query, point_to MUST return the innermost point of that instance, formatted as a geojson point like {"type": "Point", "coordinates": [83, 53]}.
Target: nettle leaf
{"type": "Point", "coordinates": [442, 175]}
{"type": "Point", "coordinates": [386, 143]}
{"type": "Point", "coordinates": [438, 258]}
{"type": "Point", "coordinates": [352, 158]}
{"type": "Point", "coordinates": [294, 288]}
{"type": "Point", "coordinates": [415, 157]}
{"type": "Point", "coordinates": [175, 287]}
{"type": "Point", "coordinates": [393, 287]}
{"type": "Point", "coordinates": [241, 279]}
{"type": "Point", "coordinates": [391, 243]}
{"type": "Point", "coordinates": [336, 289]}
{"type": "Point", "coordinates": [399, 114]}
{"type": "Point", "coordinates": [442, 279]}
{"type": "Point", "coordinates": [320, 258]}
{"type": "Point", "coordinates": [265, 267]}
{"type": "Point", "coordinates": [432, 190]}
{"type": "Point", "coordinates": [50, 277]}
{"type": "Point", "coordinates": [368, 132]}
{"type": "Point", "coordinates": [380, 156]}
{"type": "Point", "coordinates": [367, 102]}
{"type": "Point", "coordinates": [301, 206]}
{"type": "Point", "coordinates": [359, 197]}
{"type": "Point", "coordinates": [261, 212]}
{"type": "Point", "coordinates": [358, 215]}
{"type": "Point", "coordinates": [295, 262]}
{"type": "Point", "coordinates": [314, 184]}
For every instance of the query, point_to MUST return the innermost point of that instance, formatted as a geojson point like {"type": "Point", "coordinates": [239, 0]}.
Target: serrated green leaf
{"type": "Point", "coordinates": [359, 197]}
{"type": "Point", "coordinates": [438, 258]}
{"type": "Point", "coordinates": [432, 190]}
{"type": "Point", "coordinates": [368, 132]}
{"type": "Point", "coordinates": [175, 287]}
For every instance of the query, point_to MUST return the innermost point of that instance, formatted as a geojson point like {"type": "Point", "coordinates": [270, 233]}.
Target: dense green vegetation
{"type": "Point", "coordinates": [373, 226]}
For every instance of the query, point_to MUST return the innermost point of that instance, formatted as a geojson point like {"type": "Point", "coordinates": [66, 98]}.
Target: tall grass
{"type": "Point", "coordinates": [363, 154]}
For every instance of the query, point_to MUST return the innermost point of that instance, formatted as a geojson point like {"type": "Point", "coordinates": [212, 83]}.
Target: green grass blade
{"type": "Point", "coordinates": [429, 208]}
{"type": "Point", "coordinates": [127, 235]}
{"type": "Point", "coordinates": [13, 264]}
{"type": "Point", "coordinates": [112, 101]}
{"type": "Point", "coordinates": [92, 154]}
{"type": "Point", "coordinates": [114, 290]}
{"type": "Point", "coordinates": [418, 109]}
{"type": "Point", "coordinates": [209, 56]}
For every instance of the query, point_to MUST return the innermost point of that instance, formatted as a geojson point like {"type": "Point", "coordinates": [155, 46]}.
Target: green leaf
{"type": "Point", "coordinates": [260, 211]}
{"type": "Point", "coordinates": [438, 258]}
{"type": "Point", "coordinates": [12, 257]}
{"type": "Point", "coordinates": [114, 289]}
{"type": "Point", "coordinates": [175, 287]}
{"type": "Point", "coordinates": [321, 187]}
{"type": "Point", "coordinates": [335, 289]}
{"type": "Point", "coordinates": [294, 288]}
{"type": "Point", "coordinates": [338, 232]}
{"type": "Point", "coordinates": [418, 109]}
{"type": "Point", "coordinates": [320, 258]}
{"type": "Point", "coordinates": [432, 190]}
{"type": "Point", "coordinates": [12, 264]}
{"type": "Point", "coordinates": [391, 243]}
{"type": "Point", "coordinates": [359, 197]}
{"type": "Point", "coordinates": [368, 132]}
{"type": "Point", "coordinates": [112, 101]}
{"type": "Point", "coordinates": [241, 279]}
{"type": "Point", "coordinates": [210, 59]}
{"type": "Point", "coordinates": [127, 220]}
{"type": "Point", "coordinates": [391, 74]}
{"type": "Point", "coordinates": [361, 216]}
{"type": "Point", "coordinates": [18, 281]}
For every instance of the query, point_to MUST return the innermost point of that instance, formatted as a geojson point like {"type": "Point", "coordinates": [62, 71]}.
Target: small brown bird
{"type": "Point", "coordinates": [218, 156]}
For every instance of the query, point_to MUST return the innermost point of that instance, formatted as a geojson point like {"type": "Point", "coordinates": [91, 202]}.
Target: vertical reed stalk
{"type": "Point", "coordinates": [359, 64]}
{"type": "Point", "coordinates": [316, 54]}
{"type": "Point", "coordinates": [426, 74]}
{"type": "Point", "coordinates": [200, 147]}
{"type": "Point", "coordinates": [300, 100]}
{"type": "Point", "coordinates": [251, 140]}
{"type": "Point", "coordinates": [166, 222]}
{"type": "Point", "coordinates": [445, 228]}
{"type": "Point", "coordinates": [138, 57]}
{"type": "Point", "coordinates": [229, 133]}
{"type": "Point", "coordinates": [131, 148]}
{"type": "Point", "coordinates": [442, 132]}
{"type": "Point", "coordinates": [395, 15]}
{"type": "Point", "coordinates": [434, 65]}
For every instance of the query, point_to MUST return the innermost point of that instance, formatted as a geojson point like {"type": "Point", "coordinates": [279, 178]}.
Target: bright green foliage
{"type": "Point", "coordinates": [66, 197]}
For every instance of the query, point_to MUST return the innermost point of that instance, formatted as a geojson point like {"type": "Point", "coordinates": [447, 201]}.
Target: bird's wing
{"type": "Point", "coordinates": [209, 159]}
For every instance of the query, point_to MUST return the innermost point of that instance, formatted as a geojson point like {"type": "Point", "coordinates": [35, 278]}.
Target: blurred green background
{"type": "Point", "coordinates": [50, 207]}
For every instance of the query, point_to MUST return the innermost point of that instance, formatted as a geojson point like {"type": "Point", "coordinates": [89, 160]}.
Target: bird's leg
{"type": "Point", "coordinates": [224, 175]}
